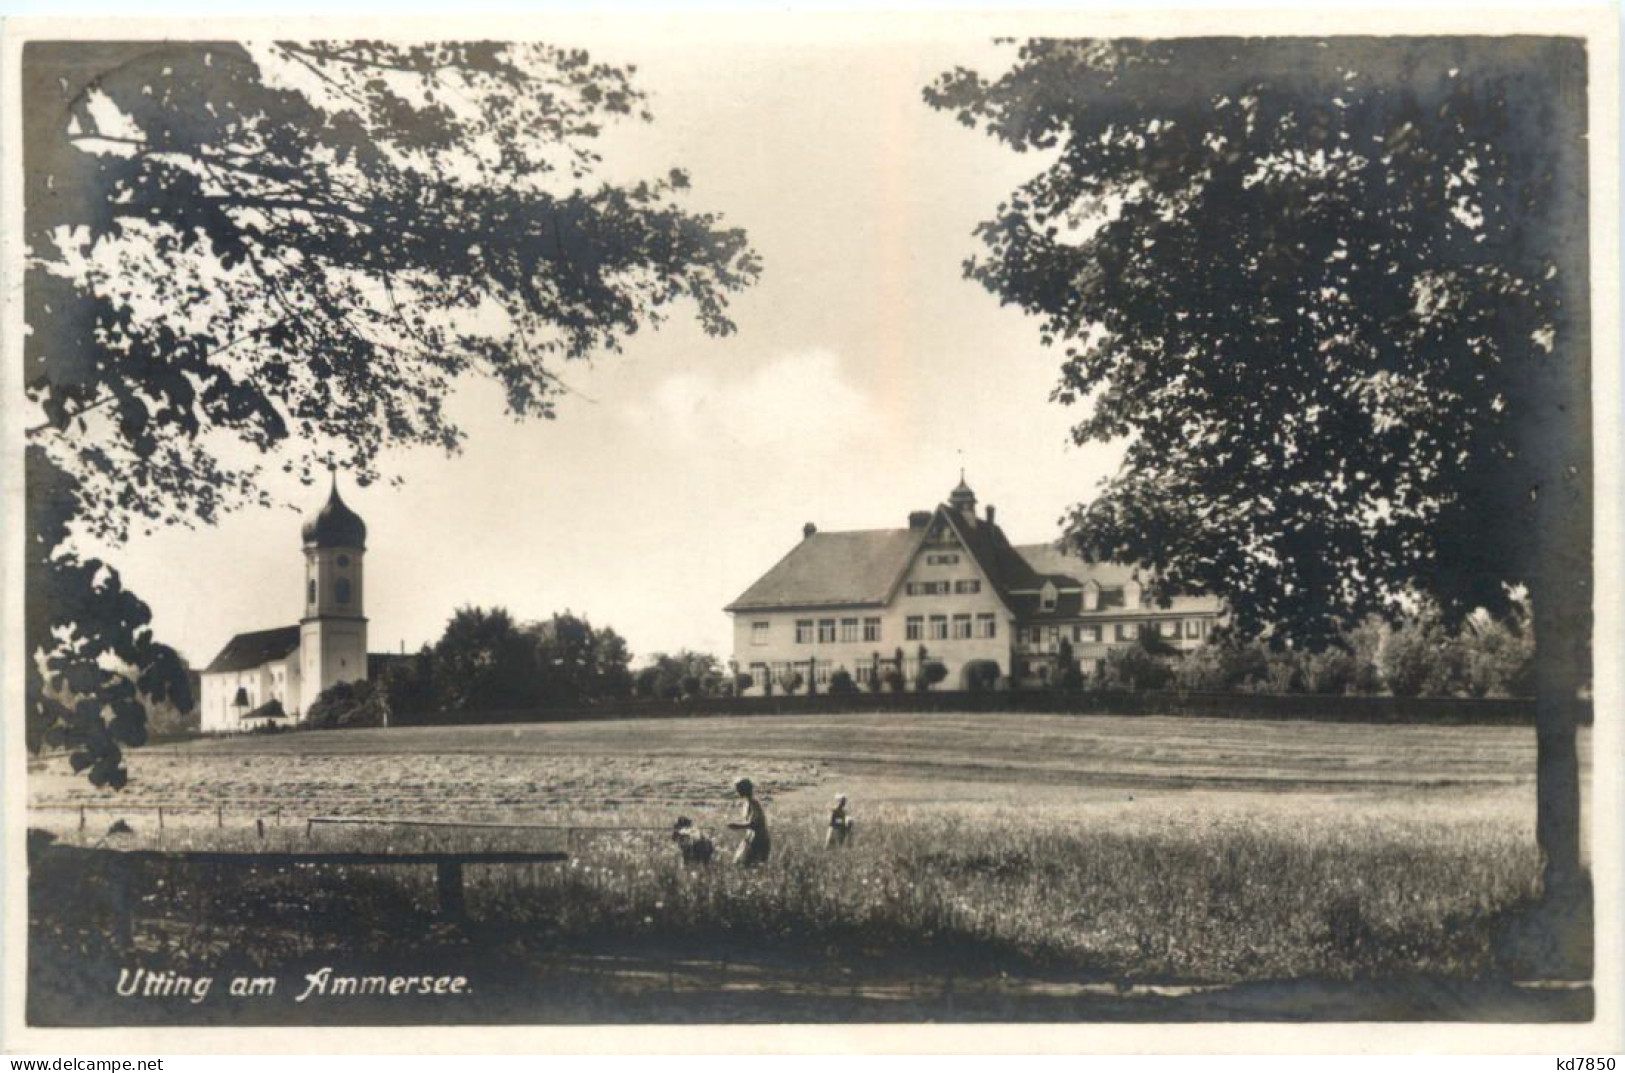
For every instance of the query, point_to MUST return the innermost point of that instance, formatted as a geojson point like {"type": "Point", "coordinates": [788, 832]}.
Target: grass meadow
{"type": "Point", "coordinates": [1002, 854]}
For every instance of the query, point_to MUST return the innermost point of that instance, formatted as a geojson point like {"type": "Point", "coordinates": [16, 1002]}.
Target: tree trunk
{"type": "Point", "coordinates": [1557, 760]}
{"type": "Point", "coordinates": [1558, 449]}
{"type": "Point", "coordinates": [1556, 938]}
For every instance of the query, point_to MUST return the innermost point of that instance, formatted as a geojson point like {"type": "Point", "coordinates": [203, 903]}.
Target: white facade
{"type": "Point", "coordinates": [943, 602]}
{"type": "Point", "coordinates": [276, 680]}
{"type": "Point", "coordinates": [952, 584]}
{"type": "Point", "coordinates": [333, 633]}
{"type": "Point", "coordinates": [294, 664]}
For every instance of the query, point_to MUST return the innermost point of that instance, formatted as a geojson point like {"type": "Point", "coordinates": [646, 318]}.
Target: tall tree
{"type": "Point", "coordinates": [484, 661]}
{"type": "Point", "coordinates": [1334, 295]}
{"type": "Point", "coordinates": [578, 663]}
{"type": "Point", "coordinates": [299, 248]}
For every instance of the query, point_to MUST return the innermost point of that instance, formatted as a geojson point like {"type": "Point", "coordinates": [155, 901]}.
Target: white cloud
{"type": "Point", "coordinates": [801, 399]}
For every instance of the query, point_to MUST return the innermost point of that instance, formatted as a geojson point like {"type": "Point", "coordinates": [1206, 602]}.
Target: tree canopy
{"type": "Point", "coordinates": [1322, 288]}
{"type": "Point", "coordinates": [297, 249]}
{"type": "Point", "coordinates": [579, 663]}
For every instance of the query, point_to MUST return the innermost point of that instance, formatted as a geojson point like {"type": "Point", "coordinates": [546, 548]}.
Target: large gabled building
{"type": "Point", "coordinates": [868, 601]}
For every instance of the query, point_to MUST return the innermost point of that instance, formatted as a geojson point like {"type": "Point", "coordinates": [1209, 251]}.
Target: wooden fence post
{"type": "Point", "coordinates": [449, 883]}
{"type": "Point", "coordinates": [81, 817]}
{"type": "Point", "coordinates": [120, 893]}
{"type": "Point", "coordinates": [219, 816]}
{"type": "Point", "coordinates": [259, 825]}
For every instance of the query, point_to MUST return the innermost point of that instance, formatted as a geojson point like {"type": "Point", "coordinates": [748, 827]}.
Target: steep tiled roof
{"type": "Point", "coordinates": [862, 568]}
{"type": "Point", "coordinates": [248, 650]}
{"type": "Point", "coordinates": [834, 569]}
{"type": "Point", "coordinates": [1051, 560]}
{"type": "Point", "coordinates": [994, 553]}
{"type": "Point", "coordinates": [1070, 572]}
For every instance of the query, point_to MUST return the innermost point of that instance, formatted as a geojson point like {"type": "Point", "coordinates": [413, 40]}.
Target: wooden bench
{"type": "Point", "coordinates": [123, 868]}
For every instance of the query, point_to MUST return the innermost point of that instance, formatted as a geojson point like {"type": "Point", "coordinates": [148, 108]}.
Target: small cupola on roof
{"type": "Point", "coordinates": [335, 525]}
{"type": "Point", "coordinates": [963, 499]}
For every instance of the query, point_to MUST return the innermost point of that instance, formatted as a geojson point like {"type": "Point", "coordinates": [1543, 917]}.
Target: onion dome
{"type": "Point", "coordinates": [335, 525]}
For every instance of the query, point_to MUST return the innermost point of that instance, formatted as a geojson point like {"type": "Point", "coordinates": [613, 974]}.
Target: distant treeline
{"type": "Point", "coordinates": [1420, 657]}
{"type": "Point", "coordinates": [485, 660]}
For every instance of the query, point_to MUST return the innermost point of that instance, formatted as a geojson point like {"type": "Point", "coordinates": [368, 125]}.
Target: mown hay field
{"type": "Point", "coordinates": [1135, 850]}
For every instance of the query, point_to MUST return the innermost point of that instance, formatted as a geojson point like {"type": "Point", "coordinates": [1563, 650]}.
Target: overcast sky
{"type": "Point", "coordinates": [864, 373]}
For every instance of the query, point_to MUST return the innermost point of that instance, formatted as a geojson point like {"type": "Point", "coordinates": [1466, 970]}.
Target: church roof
{"type": "Point", "coordinates": [271, 709]}
{"type": "Point", "coordinates": [249, 650]}
{"type": "Point", "coordinates": [335, 525]}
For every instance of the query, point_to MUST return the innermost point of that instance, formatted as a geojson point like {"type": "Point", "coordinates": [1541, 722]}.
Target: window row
{"type": "Point", "coordinates": [782, 672]}
{"type": "Point", "coordinates": [863, 672]}
{"type": "Point", "coordinates": [822, 631]}
{"type": "Point", "coordinates": [962, 627]}
{"type": "Point", "coordinates": [964, 587]}
{"type": "Point", "coordinates": [1095, 633]}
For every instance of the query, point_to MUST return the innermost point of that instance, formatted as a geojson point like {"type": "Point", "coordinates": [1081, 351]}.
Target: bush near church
{"type": "Point", "coordinates": [349, 704]}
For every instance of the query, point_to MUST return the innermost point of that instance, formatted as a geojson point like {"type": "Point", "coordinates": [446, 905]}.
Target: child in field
{"type": "Point", "coordinates": [694, 845]}
{"type": "Point", "coordinates": [840, 824]}
{"type": "Point", "coordinates": [755, 846]}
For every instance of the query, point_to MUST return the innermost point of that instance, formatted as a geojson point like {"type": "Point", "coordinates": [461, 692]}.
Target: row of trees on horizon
{"type": "Point", "coordinates": [486, 660]}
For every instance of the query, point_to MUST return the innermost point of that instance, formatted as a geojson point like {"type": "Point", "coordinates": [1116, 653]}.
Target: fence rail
{"type": "Point", "coordinates": [123, 867]}
{"type": "Point", "coordinates": [573, 832]}
{"type": "Point", "coordinates": [160, 811]}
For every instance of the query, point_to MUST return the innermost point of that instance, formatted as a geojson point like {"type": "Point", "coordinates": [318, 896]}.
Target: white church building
{"type": "Point", "coordinates": [271, 677]}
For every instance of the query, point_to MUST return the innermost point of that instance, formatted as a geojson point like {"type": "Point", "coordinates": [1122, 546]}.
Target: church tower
{"type": "Point", "coordinates": [333, 629]}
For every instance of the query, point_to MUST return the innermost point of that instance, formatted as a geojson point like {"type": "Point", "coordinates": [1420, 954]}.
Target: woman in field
{"type": "Point", "coordinates": [755, 846]}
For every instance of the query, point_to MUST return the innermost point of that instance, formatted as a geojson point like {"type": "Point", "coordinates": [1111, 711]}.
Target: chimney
{"type": "Point", "coordinates": [808, 530]}
{"type": "Point", "coordinates": [919, 519]}
{"type": "Point", "coordinates": [990, 514]}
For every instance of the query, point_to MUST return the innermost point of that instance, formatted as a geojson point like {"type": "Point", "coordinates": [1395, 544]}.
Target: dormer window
{"type": "Point", "coordinates": [1091, 595]}
{"type": "Point", "coordinates": [1047, 596]}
